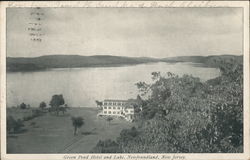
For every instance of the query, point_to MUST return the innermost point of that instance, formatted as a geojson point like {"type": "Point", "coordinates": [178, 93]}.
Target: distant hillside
{"type": "Point", "coordinates": [209, 61]}
{"type": "Point", "coordinates": [71, 61]}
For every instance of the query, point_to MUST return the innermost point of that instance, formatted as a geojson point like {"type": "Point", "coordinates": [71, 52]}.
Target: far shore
{"type": "Point", "coordinates": [30, 64]}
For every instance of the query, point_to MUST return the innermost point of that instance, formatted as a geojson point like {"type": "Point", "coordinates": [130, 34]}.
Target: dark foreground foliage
{"type": "Point", "coordinates": [106, 146]}
{"type": "Point", "coordinates": [185, 115]}
{"type": "Point", "coordinates": [14, 126]}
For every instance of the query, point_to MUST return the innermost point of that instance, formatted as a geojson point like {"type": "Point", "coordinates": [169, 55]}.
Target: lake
{"type": "Point", "coordinates": [82, 86]}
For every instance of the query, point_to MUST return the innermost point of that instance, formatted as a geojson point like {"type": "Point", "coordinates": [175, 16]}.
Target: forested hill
{"type": "Point", "coordinates": [210, 61]}
{"type": "Point", "coordinates": [71, 61]}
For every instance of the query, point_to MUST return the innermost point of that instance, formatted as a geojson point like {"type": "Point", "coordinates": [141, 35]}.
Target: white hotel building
{"type": "Point", "coordinates": [119, 108]}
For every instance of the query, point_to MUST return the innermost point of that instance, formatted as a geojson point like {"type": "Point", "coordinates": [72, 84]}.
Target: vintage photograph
{"type": "Point", "coordinates": [124, 80]}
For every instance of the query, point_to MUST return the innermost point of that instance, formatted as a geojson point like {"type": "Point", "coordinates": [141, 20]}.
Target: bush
{"type": "Point", "coordinates": [106, 146]}
{"type": "Point", "coordinates": [10, 123]}
{"type": "Point", "coordinates": [128, 134]}
{"type": "Point", "coordinates": [27, 118]}
{"type": "Point", "coordinates": [33, 123]}
{"type": "Point", "coordinates": [23, 106]}
{"type": "Point", "coordinates": [35, 113]}
{"type": "Point", "coordinates": [14, 126]}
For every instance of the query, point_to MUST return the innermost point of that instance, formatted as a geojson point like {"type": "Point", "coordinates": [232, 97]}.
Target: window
{"type": "Point", "coordinates": [114, 103]}
{"type": "Point", "coordinates": [109, 107]}
{"type": "Point", "coordinates": [109, 112]}
{"type": "Point", "coordinates": [118, 107]}
{"type": "Point", "coordinates": [105, 107]}
{"type": "Point", "coordinates": [119, 104]}
{"type": "Point", "coordinates": [110, 103]}
{"type": "Point", "coordinates": [113, 112]}
{"type": "Point", "coordinates": [131, 111]}
{"type": "Point", "coordinates": [118, 112]}
{"type": "Point", "coordinates": [105, 103]}
{"type": "Point", "coordinates": [105, 112]}
{"type": "Point", "coordinates": [114, 107]}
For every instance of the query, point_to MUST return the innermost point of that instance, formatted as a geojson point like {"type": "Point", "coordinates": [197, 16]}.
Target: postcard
{"type": "Point", "coordinates": [134, 80]}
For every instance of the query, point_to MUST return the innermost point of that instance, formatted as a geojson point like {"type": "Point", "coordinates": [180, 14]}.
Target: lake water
{"type": "Point", "coordinates": [82, 86]}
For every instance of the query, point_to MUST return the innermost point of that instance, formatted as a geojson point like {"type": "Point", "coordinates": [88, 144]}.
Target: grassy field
{"type": "Point", "coordinates": [54, 134]}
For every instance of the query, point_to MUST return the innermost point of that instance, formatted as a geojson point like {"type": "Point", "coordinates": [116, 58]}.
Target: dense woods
{"type": "Point", "coordinates": [185, 115]}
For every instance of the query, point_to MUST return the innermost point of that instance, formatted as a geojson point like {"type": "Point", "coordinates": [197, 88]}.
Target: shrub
{"type": "Point", "coordinates": [33, 123]}
{"type": "Point", "coordinates": [14, 126]}
{"type": "Point", "coordinates": [27, 118]}
{"type": "Point", "coordinates": [23, 106]}
{"type": "Point", "coordinates": [106, 146]}
{"type": "Point", "coordinates": [35, 113]}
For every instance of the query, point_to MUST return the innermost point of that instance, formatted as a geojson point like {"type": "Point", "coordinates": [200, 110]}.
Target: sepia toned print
{"type": "Point", "coordinates": [129, 81]}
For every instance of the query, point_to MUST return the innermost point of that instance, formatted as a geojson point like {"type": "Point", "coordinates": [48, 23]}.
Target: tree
{"type": "Point", "coordinates": [109, 119]}
{"type": "Point", "coordinates": [56, 101]}
{"type": "Point", "coordinates": [155, 75]}
{"type": "Point", "coordinates": [77, 122]}
{"type": "Point", "coordinates": [138, 104]}
{"type": "Point", "coordinates": [42, 105]}
{"type": "Point", "coordinates": [139, 99]}
{"type": "Point", "coordinates": [98, 103]}
{"type": "Point", "coordinates": [23, 106]}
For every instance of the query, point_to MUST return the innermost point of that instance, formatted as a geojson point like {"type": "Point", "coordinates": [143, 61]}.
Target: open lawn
{"type": "Point", "coordinates": [54, 134]}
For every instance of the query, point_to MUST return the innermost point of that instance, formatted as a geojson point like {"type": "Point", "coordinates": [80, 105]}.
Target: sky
{"type": "Point", "coordinates": [134, 32]}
